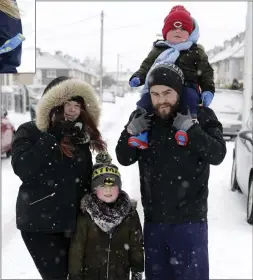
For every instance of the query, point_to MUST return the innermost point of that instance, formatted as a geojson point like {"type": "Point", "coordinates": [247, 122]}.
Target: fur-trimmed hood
{"type": "Point", "coordinates": [59, 94]}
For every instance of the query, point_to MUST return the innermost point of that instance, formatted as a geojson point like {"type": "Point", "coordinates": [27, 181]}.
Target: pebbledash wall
{"type": "Point", "coordinates": [228, 61]}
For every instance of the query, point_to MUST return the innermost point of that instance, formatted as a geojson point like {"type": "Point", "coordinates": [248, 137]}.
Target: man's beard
{"type": "Point", "coordinates": [173, 108]}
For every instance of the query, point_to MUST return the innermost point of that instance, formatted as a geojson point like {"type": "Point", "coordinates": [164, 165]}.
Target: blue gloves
{"type": "Point", "coordinates": [134, 82]}
{"type": "Point", "coordinates": [207, 98]}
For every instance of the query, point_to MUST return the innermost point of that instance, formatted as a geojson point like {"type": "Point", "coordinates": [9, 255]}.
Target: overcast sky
{"type": "Point", "coordinates": [129, 27]}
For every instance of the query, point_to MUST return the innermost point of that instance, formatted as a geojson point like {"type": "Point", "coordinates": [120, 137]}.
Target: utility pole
{"type": "Point", "coordinates": [248, 68]}
{"type": "Point", "coordinates": [117, 74]}
{"type": "Point", "coordinates": [101, 57]}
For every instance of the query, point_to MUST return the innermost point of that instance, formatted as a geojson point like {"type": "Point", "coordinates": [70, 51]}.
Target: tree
{"type": "Point", "coordinates": [108, 81]}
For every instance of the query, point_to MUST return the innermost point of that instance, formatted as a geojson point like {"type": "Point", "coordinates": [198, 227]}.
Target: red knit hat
{"type": "Point", "coordinates": [178, 17]}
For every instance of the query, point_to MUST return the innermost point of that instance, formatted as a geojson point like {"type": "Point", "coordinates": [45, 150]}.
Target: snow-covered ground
{"type": "Point", "coordinates": [27, 9]}
{"type": "Point", "coordinates": [230, 237]}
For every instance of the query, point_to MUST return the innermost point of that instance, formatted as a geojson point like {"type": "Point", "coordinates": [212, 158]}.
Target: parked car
{"type": "Point", "coordinates": [7, 132]}
{"type": "Point", "coordinates": [242, 168]}
{"type": "Point", "coordinates": [109, 96]}
{"type": "Point", "coordinates": [227, 105]}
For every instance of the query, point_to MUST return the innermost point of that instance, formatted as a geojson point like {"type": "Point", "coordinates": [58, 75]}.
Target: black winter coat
{"type": "Point", "coordinates": [173, 178]}
{"type": "Point", "coordinates": [52, 183]}
{"type": "Point", "coordinates": [193, 62]}
{"type": "Point", "coordinates": [9, 27]}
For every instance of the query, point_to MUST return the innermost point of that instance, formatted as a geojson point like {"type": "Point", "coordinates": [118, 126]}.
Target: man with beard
{"type": "Point", "coordinates": [173, 178]}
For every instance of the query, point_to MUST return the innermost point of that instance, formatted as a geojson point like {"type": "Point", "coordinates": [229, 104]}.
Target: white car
{"type": "Point", "coordinates": [227, 105]}
{"type": "Point", "coordinates": [109, 96]}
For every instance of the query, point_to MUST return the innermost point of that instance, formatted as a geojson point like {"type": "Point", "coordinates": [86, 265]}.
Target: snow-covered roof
{"type": "Point", "coordinates": [228, 52]}
{"type": "Point", "coordinates": [74, 63]}
{"type": "Point", "coordinates": [239, 53]}
{"type": "Point", "coordinates": [45, 60]}
{"type": "Point", "coordinates": [7, 89]}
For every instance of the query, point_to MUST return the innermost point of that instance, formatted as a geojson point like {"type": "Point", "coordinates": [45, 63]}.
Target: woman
{"type": "Point", "coordinates": [10, 28]}
{"type": "Point", "coordinates": [52, 157]}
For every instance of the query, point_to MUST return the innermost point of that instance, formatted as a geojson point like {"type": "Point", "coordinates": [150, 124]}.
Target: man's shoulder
{"type": "Point", "coordinates": [137, 112]}
{"type": "Point", "coordinates": [206, 115]}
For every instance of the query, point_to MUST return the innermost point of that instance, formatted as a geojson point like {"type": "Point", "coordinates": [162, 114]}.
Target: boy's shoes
{"type": "Point", "coordinates": [139, 141]}
{"type": "Point", "coordinates": [181, 138]}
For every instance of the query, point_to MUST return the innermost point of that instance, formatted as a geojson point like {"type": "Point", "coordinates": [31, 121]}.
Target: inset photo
{"type": "Point", "coordinates": [17, 36]}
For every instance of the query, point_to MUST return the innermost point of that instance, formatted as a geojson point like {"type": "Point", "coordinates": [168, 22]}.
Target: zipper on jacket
{"type": "Point", "coordinates": [34, 202]}
{"type": "Point", "coordinates": [108, 256]}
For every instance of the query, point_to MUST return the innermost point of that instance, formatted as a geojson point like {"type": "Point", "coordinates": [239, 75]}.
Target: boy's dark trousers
{"type": "Point", "coordinates": [190, 98]}
{"type": "Point", "coordinates": [49, 252]}
{"type": "Point", "coordinates": [176, 252]}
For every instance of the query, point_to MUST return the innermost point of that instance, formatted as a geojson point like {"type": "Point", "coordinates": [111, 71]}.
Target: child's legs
{"type": "Point", "coordinates": [156, 253]}
{"type": "Point", "coordinates": [189, 251]}
{"type": "Point", "coordinates": [190, 98]}
{"type": "Point", "coordinates": [146, 102]}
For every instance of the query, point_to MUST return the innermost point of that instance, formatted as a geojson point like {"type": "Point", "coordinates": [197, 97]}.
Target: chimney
{"type": "Point", "coordinates": [226, 44]}
{"type": "Point", "coordinates": [38, 52]}
{"type": "Point", "coordinates": [59, 53]}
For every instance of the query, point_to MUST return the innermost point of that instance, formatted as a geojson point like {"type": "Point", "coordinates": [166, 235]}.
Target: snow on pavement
{"type": "Point", "coordinates": [230, 237]}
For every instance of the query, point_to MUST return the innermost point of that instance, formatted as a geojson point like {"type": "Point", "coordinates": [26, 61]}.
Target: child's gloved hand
{"type": "Point", "coordinates": [207, 98]}
{"type": "Point", "coordinates": [134, 82]}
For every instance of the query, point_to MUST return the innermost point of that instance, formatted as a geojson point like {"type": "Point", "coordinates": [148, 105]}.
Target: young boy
{"type": "Point", "coordinates": [179, 47]}
{"type": "Point", "coordinates": [108, 241]}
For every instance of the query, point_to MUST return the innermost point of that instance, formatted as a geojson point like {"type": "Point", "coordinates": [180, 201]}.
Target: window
{"type": "Point", "coordinates": [241, 65]}
{"type": "Point", "coordinates": [250, 121]}
{"type": "Point", "coordinates": [227, 65]}
{"type": "Point", "coordinates": [51, 73]}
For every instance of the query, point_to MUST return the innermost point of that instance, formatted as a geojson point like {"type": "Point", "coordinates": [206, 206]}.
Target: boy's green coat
{"type": "Point", "coordinates": [193, 62]}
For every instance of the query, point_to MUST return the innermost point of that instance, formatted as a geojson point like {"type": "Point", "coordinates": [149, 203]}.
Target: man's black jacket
{"type": "Point", "coordinates": [173, 178]}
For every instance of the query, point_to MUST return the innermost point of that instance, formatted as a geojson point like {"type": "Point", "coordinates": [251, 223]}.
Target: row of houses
{"type": "Point", "coordinates": [48, 67]}
{"type": "Point", "coordinates": [228, 61]}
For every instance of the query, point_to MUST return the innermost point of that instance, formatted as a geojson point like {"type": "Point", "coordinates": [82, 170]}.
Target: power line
{"type": "Point", "coordinates": [72, 23]}
{"type": "Point", "coordinates": [93, 32]}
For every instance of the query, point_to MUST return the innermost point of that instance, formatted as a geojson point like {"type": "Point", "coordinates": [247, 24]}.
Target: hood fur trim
{"type": "Point", "coordinates": [61, 93]}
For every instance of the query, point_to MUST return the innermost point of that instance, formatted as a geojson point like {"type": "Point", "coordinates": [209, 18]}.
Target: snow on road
{"type": "Point", "coordinates": [230, 237]}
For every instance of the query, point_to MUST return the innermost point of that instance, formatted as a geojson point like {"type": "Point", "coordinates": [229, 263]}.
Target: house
{"type": "Point", "coordinates": [49, 66]}
{"type": "Point", "coordinates": [6, 91]}
{"type": "Point", "coordinates": [122, 78]}
{"type": "Point", "coordinates": [77, 69]}
{"type": "Point", "coordinates": [228, 61]}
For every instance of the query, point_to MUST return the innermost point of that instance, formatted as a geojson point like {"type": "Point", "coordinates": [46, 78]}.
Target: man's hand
{"type": "Point", "coordinates": [139, 123]}
{"type": "Point", "coordinates": [183, 122]}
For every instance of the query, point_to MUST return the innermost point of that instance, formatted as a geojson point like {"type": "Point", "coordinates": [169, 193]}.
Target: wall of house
{"type": "Point", "coordinates": [47, 75]}
{"type": "Point", "coordinates": [227, 70]}
{"type": "Point", "coordinates": [24, 79]}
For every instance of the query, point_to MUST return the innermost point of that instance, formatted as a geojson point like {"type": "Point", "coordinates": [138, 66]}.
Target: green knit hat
{"type": "Point", "coordinates": [104, 172]}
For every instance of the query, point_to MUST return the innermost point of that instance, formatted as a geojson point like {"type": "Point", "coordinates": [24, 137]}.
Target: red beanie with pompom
{"type": "Point", "coordinates": [178, 17]}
